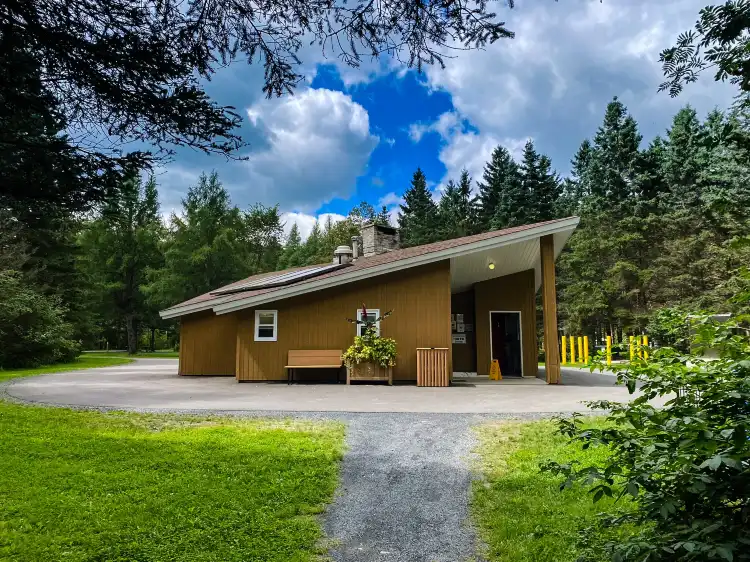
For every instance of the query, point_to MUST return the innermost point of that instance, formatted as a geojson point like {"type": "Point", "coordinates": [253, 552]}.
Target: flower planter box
{"type": "Point", "coordinates": [367, 371]}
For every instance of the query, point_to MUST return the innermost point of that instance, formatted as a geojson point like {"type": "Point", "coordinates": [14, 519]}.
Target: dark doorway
{"type": "Point", "coordinates": [505, 335]}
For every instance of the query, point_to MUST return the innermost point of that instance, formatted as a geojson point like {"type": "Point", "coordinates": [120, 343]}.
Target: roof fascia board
{"type": "Point", "coordinates": [423, 259]}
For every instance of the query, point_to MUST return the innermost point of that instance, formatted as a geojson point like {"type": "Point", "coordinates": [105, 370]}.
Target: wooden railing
{"type": "Point", "coordinates": [432, 366]}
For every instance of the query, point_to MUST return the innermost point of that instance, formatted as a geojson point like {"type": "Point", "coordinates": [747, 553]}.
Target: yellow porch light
{"type": "Point", "coordinates": [491, 265]}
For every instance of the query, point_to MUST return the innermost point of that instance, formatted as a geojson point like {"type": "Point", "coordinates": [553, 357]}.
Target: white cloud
{"type": "Point", "coordinates": [472, 151]}
{"type": "Point", "coordinates": [390, 199]}
{"type": "Point", "coordinates": [318, 143]}
{"type": "Point", "coordinates": [306, 222]}
{"type": "Point", "coordinates": [552, 82]}
{"type": "Point", "coordinates": [445, 125]}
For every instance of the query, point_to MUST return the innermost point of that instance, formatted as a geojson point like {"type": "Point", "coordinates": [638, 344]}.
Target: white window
{"type": "Point", "coordinates": [372, 314]}
{"type": "Point", "coordinates": [266, 325]}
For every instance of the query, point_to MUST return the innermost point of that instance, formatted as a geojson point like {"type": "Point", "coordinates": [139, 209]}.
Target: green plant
{"type": "Point", "coordinates": [370, 346]}
{"type": "Point", "coordinates": [685, 465]}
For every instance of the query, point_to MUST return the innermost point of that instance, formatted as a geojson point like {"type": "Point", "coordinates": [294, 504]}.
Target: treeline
{"type": "Point", "coordinates": [663, 228]}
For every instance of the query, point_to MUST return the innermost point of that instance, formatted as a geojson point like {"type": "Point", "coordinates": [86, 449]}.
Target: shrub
{"type": "Point", "coordinates": [33, 331]}
{"type": "Point", "coordinates": [686, 465]}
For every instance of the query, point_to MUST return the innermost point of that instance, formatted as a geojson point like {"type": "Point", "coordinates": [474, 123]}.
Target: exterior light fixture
{"type": "Point", "coordinates": [491, 265]}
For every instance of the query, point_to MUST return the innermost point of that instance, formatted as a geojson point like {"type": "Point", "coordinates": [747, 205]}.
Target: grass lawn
{"type": "Point", "coordinates": [83, 362]}
{"type": "Point", "coordinates": [520, 512]}
{"type": "Point", "coordinates": [88, 486]}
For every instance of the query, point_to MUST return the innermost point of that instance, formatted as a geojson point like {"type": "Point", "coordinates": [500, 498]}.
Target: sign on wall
{"type": "Point", "coordinates": [460, 327]}
{"type": "Point", "coordinates": [453, 325]}
{"type": "Point", "coordinates": [459, 338]}
{"type": "Point", "coordinates": [460, 318]}
{"type": "Point", "coordinates": [468, 327]}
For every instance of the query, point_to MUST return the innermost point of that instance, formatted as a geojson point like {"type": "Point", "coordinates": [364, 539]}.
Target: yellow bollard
{"type": "Point", "coordinates": [564, 351]}
{"type": "Point", "coordinates": [586, 350]}
{"type": "Point", "coordinates": [572, 350]}
{"type": "Point", "coordinates": [632, 347]}
{"type": "Point", "coordinates": [609, 350]}
{"type": "Point", "coordinates": [639, 342]}
{"type": "Point", "coordinates": [645, 348]}
{"type": "Point", "coordinates": [580, 349]}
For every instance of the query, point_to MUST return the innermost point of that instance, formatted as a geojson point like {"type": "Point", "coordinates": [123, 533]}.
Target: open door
{"type": "Point", "coordinates": [505, 340]}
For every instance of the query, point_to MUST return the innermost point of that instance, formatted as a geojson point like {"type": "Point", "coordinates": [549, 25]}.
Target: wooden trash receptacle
{"type": "Point", "coordinates": [432, 366]}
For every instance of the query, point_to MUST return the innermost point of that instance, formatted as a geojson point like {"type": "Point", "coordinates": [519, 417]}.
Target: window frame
{"type": "Point", "coordinates": [258, 325]}
{"type": "Point", "coordinates": [358, 327]}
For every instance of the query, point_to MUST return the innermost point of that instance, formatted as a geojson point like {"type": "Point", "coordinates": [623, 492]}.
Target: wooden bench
{"type": "Point", "coordinates": [313, 359]}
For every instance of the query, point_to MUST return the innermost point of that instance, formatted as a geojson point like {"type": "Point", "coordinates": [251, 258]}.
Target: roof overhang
{"type": "Point", "coordinates": [507, 248]}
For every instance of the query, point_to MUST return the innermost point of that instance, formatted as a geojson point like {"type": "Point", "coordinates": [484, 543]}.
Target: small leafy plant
{"type": "Point", "coordinates": [370, 347]}
{"type": "Point", "coordinates": [685, 465]}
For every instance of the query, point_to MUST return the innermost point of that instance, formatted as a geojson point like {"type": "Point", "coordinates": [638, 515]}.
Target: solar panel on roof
{"type": "Point", "coordinates": [279, 280]}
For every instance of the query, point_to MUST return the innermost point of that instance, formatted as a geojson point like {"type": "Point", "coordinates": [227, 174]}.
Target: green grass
{"type": "Point", "coordinates": [520, 512]}
{"type": "Point", "coordinates": [83, 362]}
{"type": "Point", "coordinates": [155, 354]}
{"type": "Point", "coordinates": [94, 487]}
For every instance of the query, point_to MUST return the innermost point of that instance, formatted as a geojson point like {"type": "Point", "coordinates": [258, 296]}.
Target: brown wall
{"type": "Point", "coordinates": [512, 292]}
{"type": "Point", "coordinates": [420, 298]}
{"type": "Point", "coordinates": [465, 354]}
{"type": "Point", "coordinates": [208, 344]}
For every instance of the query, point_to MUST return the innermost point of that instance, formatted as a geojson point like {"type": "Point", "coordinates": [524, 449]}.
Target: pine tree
{"type": "Point", "coordinates": [291, 254]}
{"type": "Point", "coordinates": [500, 181]}
{"type": "Point", "coordinates": [612, 166]}
{"type": "Point", "coordinates": [418, 219]}
{"type": "Point", "coordinates": [456, 210]}
{"type": "Point", "coordinates": [121, 245]}
{"type": "Point", "coordinates": [537, 186]}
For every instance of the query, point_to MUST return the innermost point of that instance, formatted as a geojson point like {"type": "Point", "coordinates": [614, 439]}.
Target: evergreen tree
{"type": "Point", "coordinates": [499, 191]}
{"type": "Point", "coordinates": [612, 166]}
{"type": "Point", "coordinates": [540, 188]}
{"type": "Point", "coordinates": [291, 255]}
{"type": "Point", "coordinates": [207, 246]}
{"type": "Point", "coordinates": [456, 209]}
{"type": "Point", "coordinates": [418, 219]}
{"type": "Point", "coordinates": [120, 246]}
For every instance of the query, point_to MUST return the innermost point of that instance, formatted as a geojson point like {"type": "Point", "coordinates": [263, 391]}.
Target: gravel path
{"type": "Point", "coordinates": [404, 491]}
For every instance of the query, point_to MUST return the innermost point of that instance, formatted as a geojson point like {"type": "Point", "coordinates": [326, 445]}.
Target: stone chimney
{"type": "Point", "coordinates": [356, 244]}
{"type": "Point", "coordinates": [342, 255]}
{"type": "Point", "coordinates": [378, 239]}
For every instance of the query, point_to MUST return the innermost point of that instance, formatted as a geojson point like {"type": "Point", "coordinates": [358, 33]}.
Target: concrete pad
{"type": "Point", "coordinates": [153, 385]}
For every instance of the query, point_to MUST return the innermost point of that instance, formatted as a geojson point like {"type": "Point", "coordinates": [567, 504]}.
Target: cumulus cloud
{"type": "Point", "coordinates": [318, 143]}
{"type": "Point", "coordinates": [553, 81]}
{"type": "Point", "coordinates": [305, 222]}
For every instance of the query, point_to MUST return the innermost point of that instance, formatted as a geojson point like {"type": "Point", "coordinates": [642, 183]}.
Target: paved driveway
{"type": "Point", "coordinates": [153, 385]}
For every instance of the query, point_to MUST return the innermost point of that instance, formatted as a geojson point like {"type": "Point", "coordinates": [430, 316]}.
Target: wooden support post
{"type": "Point", "coordinates": [563, 349]}
{"type": "Point", "coordinates": [549, 307]}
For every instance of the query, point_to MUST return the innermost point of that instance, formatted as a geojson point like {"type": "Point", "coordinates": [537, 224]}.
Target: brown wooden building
{"type": "Point", "coordinates": [475, 296]}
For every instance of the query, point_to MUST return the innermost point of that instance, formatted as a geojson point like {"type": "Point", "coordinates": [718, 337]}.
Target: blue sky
{"type": "Point", "coordinates": [353, 134]}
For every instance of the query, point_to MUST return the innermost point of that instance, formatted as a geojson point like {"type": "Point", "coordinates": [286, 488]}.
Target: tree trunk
{"type": "Point", "coordinates": [130, 326]}
{"type": "Point", "coordinates": [153, 339]}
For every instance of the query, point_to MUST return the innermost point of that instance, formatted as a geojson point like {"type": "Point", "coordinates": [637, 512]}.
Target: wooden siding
{"type": "Point", "coordinates": [208, 344]}
{"type": "Point", "coordinates": [420, 298]}
{"type": "Point", "coordinates": [510, 293]}
{"type": "Point", "coordinates": [465, 354]}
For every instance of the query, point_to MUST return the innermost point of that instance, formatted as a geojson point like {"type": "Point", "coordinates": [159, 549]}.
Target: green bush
{"type": "Point", "coordinates": [33, 331]}
{"type": "Point", "coordinates": [685, 465]}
